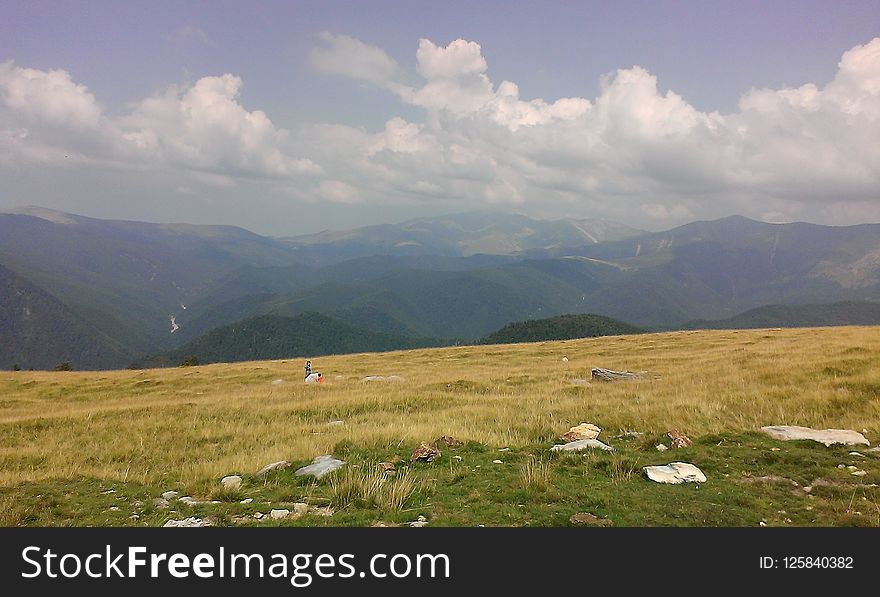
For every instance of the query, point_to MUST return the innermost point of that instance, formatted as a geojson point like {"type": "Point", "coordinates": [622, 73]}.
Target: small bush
{"type": "Point", "coordinates": [190, 361]}
{"type": "Point", "coordinates": [65, 366]}
{"type": "Point", "coordinates": [371, 488]}
{"type": "Point", "coordinates": [535, 475]}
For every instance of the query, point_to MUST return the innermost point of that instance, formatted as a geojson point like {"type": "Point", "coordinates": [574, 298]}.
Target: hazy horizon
{"type": "Point", "coordinates": [288, 118]}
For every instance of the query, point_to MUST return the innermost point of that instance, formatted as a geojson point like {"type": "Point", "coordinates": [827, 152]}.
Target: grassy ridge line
{"type": "Point", "coordinates": [195, 424]}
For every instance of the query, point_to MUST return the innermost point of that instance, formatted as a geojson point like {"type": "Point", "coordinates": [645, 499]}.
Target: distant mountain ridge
{"type": "Point", "coordinates": [456, 235]}
{"type": "Point", "coordinates": [123, 281]}
{"type": "Point", "coordinates": [784, 316]}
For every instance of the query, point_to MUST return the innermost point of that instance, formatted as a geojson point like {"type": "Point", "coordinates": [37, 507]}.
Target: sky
{"type": "Point", "coordinates": [294, 117]}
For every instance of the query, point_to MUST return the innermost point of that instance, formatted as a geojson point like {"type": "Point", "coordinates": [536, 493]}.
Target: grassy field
{"type": "Point", "coordinates": [96, 448]}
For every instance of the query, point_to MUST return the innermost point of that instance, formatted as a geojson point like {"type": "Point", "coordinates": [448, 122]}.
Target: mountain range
{"type": "Point", "coordinates": [111, 292]}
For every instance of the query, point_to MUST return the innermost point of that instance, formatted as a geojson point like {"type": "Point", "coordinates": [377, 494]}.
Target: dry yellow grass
{"type": "Point", "coordinates": [196, 424]}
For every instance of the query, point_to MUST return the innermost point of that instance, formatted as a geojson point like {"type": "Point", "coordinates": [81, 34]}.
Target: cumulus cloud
{"type": "Point", "coordinates": [634, 152]}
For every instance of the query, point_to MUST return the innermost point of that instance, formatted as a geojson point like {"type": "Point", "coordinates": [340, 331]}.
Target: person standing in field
{"type": "Point", "coordinates": [308, 369]}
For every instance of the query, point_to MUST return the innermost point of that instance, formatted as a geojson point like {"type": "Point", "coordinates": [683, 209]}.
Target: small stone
{"type": "Point", "coordinates": [587, 519]}
{"type": "Point", "coordinates": [190, 522]}
{"type": "Point", "coordinates": [169, 495]}
{"type": "Point", "coordinates": [661, 447]}
{"type": "Point", "coordinates": [114, 508]}
{"type": "Point", "coordinates": [323, 511]}
{"type": "Point", "coordinates": [160, 503]}
{"type": "Point", "coordinates": [824, 436]}
{"type": "Point", "coordinates": [231, 483]}
{"type": "Point", "coordinates": [275, 466]}
{"type": "Point", "coordinates": [679, 439]}
{"type": "Point", "coordinates": [320, 466]}
{"type": "Point", "coordinates": [675, 473]}
{"type": "Point", "coordinates": [425, 453]}
{"type": "Point", "coordinates": [385, 467]}
{"type": "Point", "coordinates": [246, 501]}
{"type": "Point", "coordinates": [279, 513]}
{"type": "Point", "coordinates": [582, 431]}
{"type": "Point", "coordinates": [762, 523]}
{"type": "Point", "coordinates": [448, 441]}
{"type": "Point", "coordinates": [775, 449]}
{"type": "Point", "coordinates": [841, 466]}
{"type": "Point", "coordinates": [504, 449]}
{"type": "Point", "coordinates": [497, 462]}
{"type": "Point", "coordinates": [858, 473]}
{"type": "Point", "coordinates": [300, 508]}
{"type": "Point", "coordinates": [582, 444]}
{"type": "Point", "coordinates": [859, 454]}
{"type": "Point", "coordinates": [564, 359]}
{"type": "Point", "coordinates": [457, 457]}
{"type": "Point", "coordinates": [419, 522]}
{"type": "Point", "coordinates": [138, 504]}
{"type": "Point", "coordinates": [259, 515]}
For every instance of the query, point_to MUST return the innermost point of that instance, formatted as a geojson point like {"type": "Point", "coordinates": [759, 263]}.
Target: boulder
{"type": "Point", "coordinates": [279, 514]}
{"type": "Point", "coordinates": [169, 495]}
{"type": "Point", "coordinates": [424, 452]}
{"type": "Point", "coordinates": [581, 444]}
{"type": "Point", "coordinates": [231, 483]}
{"type": "Point", "coordinates": [823, 436]}
{"type": "Point", "coordinates": [675, 473]}
{"type": "Point", "coordinates": [320, 466]}
{"type": "Point", "coordinates": [275, 466]}
{"type": "Point", "coordinates": [582, 431]}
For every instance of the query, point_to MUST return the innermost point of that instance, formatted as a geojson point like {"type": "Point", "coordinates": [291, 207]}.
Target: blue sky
{"type": "Point", "coordinates": [290, 117]}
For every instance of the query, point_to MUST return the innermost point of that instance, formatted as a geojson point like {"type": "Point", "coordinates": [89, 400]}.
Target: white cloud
{"type": "Point", "coordinates": [47, 97]}
{"type": "Point", "coordinates": [634, 153]}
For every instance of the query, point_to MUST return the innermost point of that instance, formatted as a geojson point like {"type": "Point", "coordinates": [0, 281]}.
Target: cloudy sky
{"type": "Point", "coordinates": [292, 117]}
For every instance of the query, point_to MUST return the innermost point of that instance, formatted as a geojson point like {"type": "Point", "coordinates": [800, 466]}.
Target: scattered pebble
{"type": "Point", "coordinates": [246, 501]}
{"type": "Point", "coordinates": [661, 447]}
{"type": "Point", "coordinates": [497, 462]}
{"type": "Point", "coordinates": [419, 522]}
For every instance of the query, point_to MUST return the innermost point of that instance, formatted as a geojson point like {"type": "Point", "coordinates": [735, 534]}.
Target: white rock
{"type": "Point", "coordinates": [281, 464]}
{"type": "Point", "coordinates": [259, 515]}
{"type": "Point", "coordinates": [581, 444]}
{"type": "Point", "coordinates": [457, 457]}
{"type": "Point", "coordinates": [279, 513]}
{"type": "Point", "coordinates": [419, 522]}
{"type": "Point", "coordinates": [320, 466]}
{"type": "Point", "coordinates": [675, 473]}
{"type": "Point", "coordinates": [497, 462]}
{"type": "Point", "coordinates": [246, 501]}
{"type": "Point", "coordinates": [504, 449]}
{"type": "Point", "coordinates": [160, 503]}
{"type": "Point", "coordinates": [277, 382]}
{"type": "Point", "coordinates": [231, 483]}
{"type": "Point", "coordinates": [823, 436]}
{"type": "Point", "coordinates": [661, 447]}
{"type": "Point", "coordinates": [582, 431]}
{"type": "Point", "coordinates": [564, 359]}
{"type": "Point", "coordinates": [190, 522]}
{"type": "Point", "coordinates": [169, 495]}
{"type": "Point", "coordinates": [858, 473]}
{"type": "Point", "coordinates": [857, 454]}
{"type": "Point", "coordinates": [335, 423]}
{"type": "Point", "coordinates": [300, 508]}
